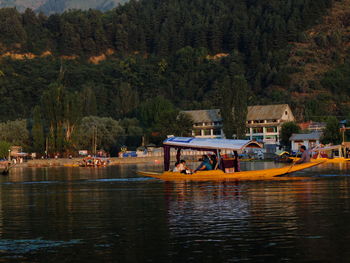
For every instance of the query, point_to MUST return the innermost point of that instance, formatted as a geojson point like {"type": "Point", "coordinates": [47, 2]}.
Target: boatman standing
{"type": "Point", "coordinates": [305, 156]}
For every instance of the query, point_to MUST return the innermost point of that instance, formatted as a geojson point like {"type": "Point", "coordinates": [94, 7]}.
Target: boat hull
{"type": "Point", "coordinates": [327, 160]}
{"type": "Point", "coordinates": [267, 174]}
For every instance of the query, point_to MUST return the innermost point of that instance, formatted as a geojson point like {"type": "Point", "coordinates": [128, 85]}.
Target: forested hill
{"type": "Point", "coordinates": [54, 6]}
{"type": "Point", "coordinates": [179, 50]}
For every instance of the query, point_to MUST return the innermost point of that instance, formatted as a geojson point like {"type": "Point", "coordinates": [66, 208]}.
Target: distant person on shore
{"type": "Point", "coordinates": [305, 156]}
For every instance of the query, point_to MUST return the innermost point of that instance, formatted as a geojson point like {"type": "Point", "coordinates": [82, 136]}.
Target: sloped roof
{"type": "Point", "coordinates": [205, 143]}
{"type": "Point", "coordinates": [266, 112]}
{"type": "Point", "coordinates": [204, 115]}
{"type": "Point", "coordinates": [259, 112]}
{"type": "Point", "coordinates": [305, 136]}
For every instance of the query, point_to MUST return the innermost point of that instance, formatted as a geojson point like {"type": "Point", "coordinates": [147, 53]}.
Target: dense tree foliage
{"type": "Point", "coordinates": [162, 56]}
{"type": "Point", "coordinates": [287, 130]}
{"type": "Point", "coordinates": [101, 133]}
{"type": "Point", "coordinates": [15, 132]}
{"type": "Point", "coordinates": [4, 149]}
{"type": "Point", "coordinates": [332, 132]}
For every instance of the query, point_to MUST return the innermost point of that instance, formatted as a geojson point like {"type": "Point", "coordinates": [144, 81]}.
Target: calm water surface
{"type": "Point", "coordinates": [112, 215]}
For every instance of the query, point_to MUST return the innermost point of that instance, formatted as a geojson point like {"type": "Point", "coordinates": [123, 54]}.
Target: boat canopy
{"type": "Point", "coordinates": [326, 148]}
{"type": "Point", "coordinates": [206, 144]}
{"type": "Point", "coordinates": [203, 144]}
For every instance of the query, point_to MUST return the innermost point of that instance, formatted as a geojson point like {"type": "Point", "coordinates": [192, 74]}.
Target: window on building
{"type": "Point", "coordinates": [271, 129]}
{"type": "Point", "coordinates": [207, 132]}
{"type": "Point", "coordinates": [286, 112]}
{"type": "Point", "coordinates": [258, 130]}
{"type": "Point", "coordinates": [197, 132]}
{"type": "Point", "coordinates": [258, 138]}
{"type": "Point", "coordinates": [217, 131]}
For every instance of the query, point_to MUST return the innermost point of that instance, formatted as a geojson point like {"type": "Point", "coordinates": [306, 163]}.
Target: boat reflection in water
{"type": "Point", "coordinates": [257, 219]}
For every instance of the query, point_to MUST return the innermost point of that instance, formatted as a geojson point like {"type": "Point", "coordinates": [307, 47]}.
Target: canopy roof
{"type": "Point", "coordinates": [326, 148]}
{"type": "Point", "coordinates": [306, 136]}
{"type": "Point", "coordinates": [203, 143]}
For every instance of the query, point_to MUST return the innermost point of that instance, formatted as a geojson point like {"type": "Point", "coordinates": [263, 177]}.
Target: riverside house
{"type": "Point", "coordinates": [263, 122]}
{"type": "Point", "coordinates": [310, 140]}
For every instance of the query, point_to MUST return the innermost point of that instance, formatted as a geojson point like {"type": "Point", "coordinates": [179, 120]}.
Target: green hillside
{"type": "Point", "coordinates": [53, 6]}
{"type": "Point", "coordinates": [188, 52]}
{"type": "Point", "coordinates": [21, 5]}
{"type": "Point", "coordinates": [319, 82]}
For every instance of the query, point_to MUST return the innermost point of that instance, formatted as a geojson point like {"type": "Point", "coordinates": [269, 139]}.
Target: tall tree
{"type": "Point", "coordinates": [127, 99]}
{"type": "Point", "coordinates": [332, 132]}
{"type": "Point", "coordinates": [102, 131]}
{"type": "Point", "coordinates": [287, 130]}
{"type": "Point", "coordinates": [226, 109]}
{"type": "Point", "coordinates": [234, 106]}
{"type": "Point", "coordinates": [38, 135]}
{"type": "Point", "coordinates": [61, 111]}
{"type": "Point", "coordinates": [240, 107]}
{"type": "Point", "coordinates": [88, 100]}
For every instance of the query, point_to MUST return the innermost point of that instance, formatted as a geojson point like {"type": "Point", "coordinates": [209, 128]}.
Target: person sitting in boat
{"type": "Point", "coordinates": [236, 162]}
{"type": "Point", "coordinates": [184, 169]}
{"type": "Point", "coordinates": [214, 161]}
{"type": "Point", "coordinates": [177, 168]}
{"type": "Point", "coordinates": [205, 164]}
{"type": "Point", "coordinates": [305, 156]}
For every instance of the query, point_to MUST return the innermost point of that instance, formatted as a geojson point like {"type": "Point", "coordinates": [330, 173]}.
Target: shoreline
{"type": "Point", "coordinates": [74, 162]}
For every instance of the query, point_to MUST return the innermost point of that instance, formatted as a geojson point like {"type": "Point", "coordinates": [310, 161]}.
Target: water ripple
{"type": "Point", "coordinates": [32, 182]}
{"type": "Point", "coordinates": [23, 246]}
{"type": "Point", "coordinates": [138, 179]}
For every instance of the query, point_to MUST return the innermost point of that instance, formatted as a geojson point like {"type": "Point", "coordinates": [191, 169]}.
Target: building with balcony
{"type": "Point", "coordinates": [206, 123]}
{"type": "Point", "coordinates": [263, 122]}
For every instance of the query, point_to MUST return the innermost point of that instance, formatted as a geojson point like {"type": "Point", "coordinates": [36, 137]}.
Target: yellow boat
{"type": "Point", "coordinates": [328, 154]}
{"type": "Point", "coordinates": [267, 174]}
{"type": "Point", "coordinates": [71, 165]}
{"type": "Point", "coordinates": [216, 145]}
{"type": "Point", "coordinates": [335, 160]}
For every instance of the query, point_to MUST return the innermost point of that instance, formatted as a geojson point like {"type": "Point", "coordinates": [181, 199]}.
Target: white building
{"type": "Point", "coordinates": [206, 123]}
{"type": "Point", "coordinates": [310, 140]}
{"type": "Point", "coordinates": [263, 122]}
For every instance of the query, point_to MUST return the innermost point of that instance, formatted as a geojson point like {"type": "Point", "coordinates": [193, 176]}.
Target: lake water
{"type": "Point", "coordinates": [113, 215]}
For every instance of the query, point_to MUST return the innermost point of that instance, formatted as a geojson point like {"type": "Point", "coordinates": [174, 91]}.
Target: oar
{"type": "Point", "coordinates": [294, 162]}
{"type": "Point", "coordinates": [289, 169]}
